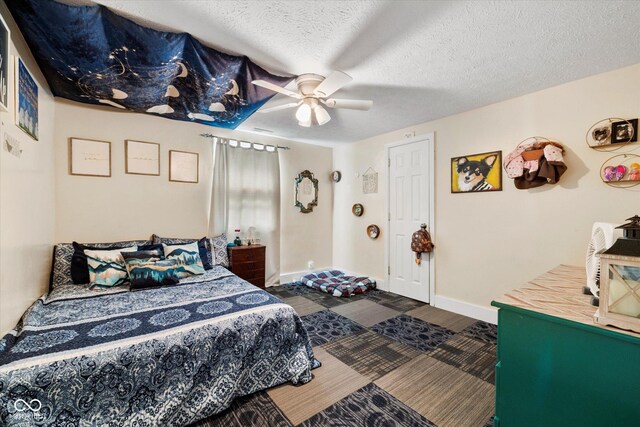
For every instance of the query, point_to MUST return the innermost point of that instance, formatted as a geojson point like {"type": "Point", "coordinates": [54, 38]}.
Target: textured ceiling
{"type": "Point", "coordinates": [417, 61]}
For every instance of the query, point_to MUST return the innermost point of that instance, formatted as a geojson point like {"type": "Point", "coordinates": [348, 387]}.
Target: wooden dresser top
{"type": "Point", "coordinates": [558, 293]}
{"type": "Point", "coordinates": [237, 248]}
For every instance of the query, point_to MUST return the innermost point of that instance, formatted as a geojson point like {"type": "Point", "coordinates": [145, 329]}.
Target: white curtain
{"type": "Point", "coordinates": [246, 193]}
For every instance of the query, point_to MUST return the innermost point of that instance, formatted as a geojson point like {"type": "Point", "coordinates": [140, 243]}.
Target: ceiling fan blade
{"type": "Point", "coordinates": [275, 88]}
{"type": "Point", "coordinates": [279, 107]}
{"type": "Point", "coordinates": [350, 104]}
{"type": "Point", "coordinates": [335, 81]}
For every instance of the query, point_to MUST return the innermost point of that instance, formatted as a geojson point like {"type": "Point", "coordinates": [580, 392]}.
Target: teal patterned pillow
{"type": "Point", "coordinates": [188, 258]}
{"type": "Point", "coordinates": [106, 267]}
{"type": "Point", "coordinates": [148, 269]}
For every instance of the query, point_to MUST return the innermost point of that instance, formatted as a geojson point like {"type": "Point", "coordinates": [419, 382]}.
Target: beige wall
{"type": "Point", "coordinates": [128, 206]}
{"type": "Point", "coordinates": [487, 244]}
{"type": "Point", "coordinates": [305, 237]}
{"type": "Point", "coordinates": [27, 193]}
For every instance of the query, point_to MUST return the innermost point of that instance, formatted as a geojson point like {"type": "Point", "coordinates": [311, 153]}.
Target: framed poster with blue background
{"type": "Point", "coordinates": [26, 100]}
{"type": "Point", "coordinates": [5, 36]}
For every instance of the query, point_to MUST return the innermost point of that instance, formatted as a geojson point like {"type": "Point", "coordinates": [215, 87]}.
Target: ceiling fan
{"type": "Point", "coordinates": [313, 92]}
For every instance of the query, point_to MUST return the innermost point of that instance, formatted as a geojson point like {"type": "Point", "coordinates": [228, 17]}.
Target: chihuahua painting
{"type": "Point", "coordinates": [473, 173]}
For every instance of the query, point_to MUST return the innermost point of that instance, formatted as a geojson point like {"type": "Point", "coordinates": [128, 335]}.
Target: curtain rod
{"type": "Point", "coordinates": [279, 147]}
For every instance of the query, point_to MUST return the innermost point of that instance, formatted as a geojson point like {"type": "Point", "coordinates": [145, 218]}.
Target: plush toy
{"type": "Point", "coordinates": [634, 172]}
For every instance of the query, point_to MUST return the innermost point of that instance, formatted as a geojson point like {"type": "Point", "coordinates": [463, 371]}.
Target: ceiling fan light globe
{"type": "Point", "coordinates": [322, 116]}
{"type": "Point", "coordinates": [306, 124]}
{"type": "Point", "coordinates": [303, 114]}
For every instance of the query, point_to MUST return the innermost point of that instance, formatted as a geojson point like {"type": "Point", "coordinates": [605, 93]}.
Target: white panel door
{"type": "Point", "coordinates": [408, 208]}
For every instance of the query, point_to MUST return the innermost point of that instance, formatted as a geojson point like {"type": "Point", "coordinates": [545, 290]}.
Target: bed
{"type": "Point", "coordinates": [162, 356]}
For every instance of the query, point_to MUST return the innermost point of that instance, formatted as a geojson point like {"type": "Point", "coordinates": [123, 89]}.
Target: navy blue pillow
{"type": "Point", "coordinates": [204, 253]}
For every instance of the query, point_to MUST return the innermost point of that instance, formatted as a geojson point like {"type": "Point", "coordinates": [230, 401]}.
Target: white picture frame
{"type": "Point", "coordinates": [183, 166]}
{"type": "Point", "coordinates": [5, 60]}
{"type": "Point", "coordinates": [142, 158]}
{"type": "Point", "coordinates": [88, 157]}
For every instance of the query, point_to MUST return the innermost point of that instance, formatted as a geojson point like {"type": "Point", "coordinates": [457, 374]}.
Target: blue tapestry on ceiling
{"type": "Point", "coordinates": [90, 54]}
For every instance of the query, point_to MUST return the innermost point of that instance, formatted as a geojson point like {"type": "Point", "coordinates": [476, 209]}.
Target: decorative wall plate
{"type": "Point", "coordinates": [373, 231]}
{"type": "Point", "coordinates": [621, 171]}
{"type": "Point", "coordinates": [612, 134]}
{"type": "Point", "coordinates": [336, 176]}
{"type": "Point", "coordinates": [357, 209]}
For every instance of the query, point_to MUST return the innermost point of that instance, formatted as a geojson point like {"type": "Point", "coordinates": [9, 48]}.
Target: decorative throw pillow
{"type": "Point", "coordinates": [150, 255]}
{"type": "Point", "coordinates": [188, 257]}
{"type": "Point", "coordinates": [220, 254]}
{"type": "Point", "coordinates": [63, 254]}
{"type": "Point", "coordinates": [79, 267]}
{"type": "Point", "coordinates": [204, 247]}
{"type": "Point", "coordinates": [107, 268]}
{"type": "Point", "coordinates": [61, 265]}
{"type": "Point", "coordinates": [148, 269]}
{"type": "Point", "coordinates": [152, 247]}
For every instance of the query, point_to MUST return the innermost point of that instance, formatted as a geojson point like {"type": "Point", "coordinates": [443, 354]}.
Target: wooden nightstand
{"type": "Point", "coordinates": [247, 262]}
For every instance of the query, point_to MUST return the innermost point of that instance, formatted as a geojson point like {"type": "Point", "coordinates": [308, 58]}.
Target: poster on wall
{"type": "Point", "coordinates": [89, 158]}
{"type": "Point", "coordinates": [142, 158]}
{"type": "Point", "coordinates": [370, 181]}
{"type": "Point", "coordinates": [26, 100]}
{"type": "Point", "coordinates": [477, 173]}
{"type": "Point", "coordinates": [5, 36]}
{"type": "Point", "coordinates": [183, 166]}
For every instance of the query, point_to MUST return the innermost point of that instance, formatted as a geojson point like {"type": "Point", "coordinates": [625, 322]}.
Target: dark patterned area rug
{"type": "Point", "coordinates": [325, 326]}
{"type": "Point", "coordinates": [254, 410]}
{"type": "Point", "coordinates": [473, 356]}
{"type": "Point", "coordinates": [414, 332]}
{"type": "Point", "coordinates": [372, 352]}
{"type": "Point", "coordinates": [369, 406]}
{"type": "Point", "coordinates": [482, 331]}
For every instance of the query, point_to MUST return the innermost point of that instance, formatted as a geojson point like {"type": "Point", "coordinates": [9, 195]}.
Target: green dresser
{"type": "Point", "coordinates": [555, 366]}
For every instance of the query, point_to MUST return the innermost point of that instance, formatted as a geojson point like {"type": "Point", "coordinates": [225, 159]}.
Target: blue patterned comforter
{"type": "Point", "coordinates": [157, 357]}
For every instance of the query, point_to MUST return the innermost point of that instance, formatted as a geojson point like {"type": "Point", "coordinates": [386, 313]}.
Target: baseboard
{"type": "Point", "coordinates": [479, 312]}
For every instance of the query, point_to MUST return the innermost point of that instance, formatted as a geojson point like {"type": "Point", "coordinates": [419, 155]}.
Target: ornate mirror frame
{"type": "Point", "coordinates": [301, 176]}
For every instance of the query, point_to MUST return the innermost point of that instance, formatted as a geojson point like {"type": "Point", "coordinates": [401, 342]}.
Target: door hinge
{"type": "Point", "coordinates": [389, 216]}
{"type": "Point", "coordinates": [389, 271]}
{"type": "Point", "coordinates": [389, 162]}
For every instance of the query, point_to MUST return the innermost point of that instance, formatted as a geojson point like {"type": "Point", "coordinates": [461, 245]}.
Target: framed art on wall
{"type": "Point", "coordinates": [477, 173]}
{"type": "Point", "coordinates": [141, 158]}
{"type": "Point", "coordinates": [5, 36]}
{"type": "Point", "coordinates": [89, 158]}
{"type": "Point", "coordinates": [26, 100]}
{"type": "Point", "coordinates": [183, 166]}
